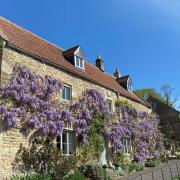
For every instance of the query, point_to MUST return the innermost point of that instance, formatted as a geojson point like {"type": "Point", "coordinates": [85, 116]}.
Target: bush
{"type": "Point", "coordinates": [119, 103]}
{"type": "Point", "coordinates": [164, 159]}
{"type": "Point", "coordinates": [136, 167]}
{"type": "Point", "coordinates": [95, 172]}
{"type": "Point", "coordinates": [178, 156]}
{"type": "Point", "coordinates": [152, 163]}
{"type": "Point", "coordinates": [45, 158]}
{"type": "Point", "coordinates": [118, 159]}
{"type": "Point", "coordinates": [31, 177]}
{"type": "Point", "coordinates": [76, 176]}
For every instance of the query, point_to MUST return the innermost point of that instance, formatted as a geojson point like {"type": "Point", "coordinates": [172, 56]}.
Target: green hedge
{"type": "Point", "coordinates": [152, 163]}
{"type": "Point", "coordinates": [136, 167]}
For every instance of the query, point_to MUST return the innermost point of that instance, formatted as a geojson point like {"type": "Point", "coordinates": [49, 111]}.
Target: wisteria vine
{"type": "Point", "coordinates": [140, 127]}
{"type": "Point", "coordinates": [85, 111]}
{"type": "Point", "coordinates": [29, 99]}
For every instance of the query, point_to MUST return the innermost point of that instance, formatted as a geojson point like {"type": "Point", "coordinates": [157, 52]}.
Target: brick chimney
{"type": "Point", "coordinates": [117, 73]}
{"type": "Point", "coordinates": [100, 63]}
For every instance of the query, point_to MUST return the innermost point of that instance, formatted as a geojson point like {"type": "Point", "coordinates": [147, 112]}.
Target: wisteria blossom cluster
{"type": "Point", "coordinates": [29, 98]}
{"type": "Point", "coordinates": [85, 111]}
{"type": "Point", "coordinates": [140, 127]}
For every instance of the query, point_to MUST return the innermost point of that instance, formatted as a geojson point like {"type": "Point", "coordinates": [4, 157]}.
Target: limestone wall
{"type": "Point", "coordinates": [10, 140]}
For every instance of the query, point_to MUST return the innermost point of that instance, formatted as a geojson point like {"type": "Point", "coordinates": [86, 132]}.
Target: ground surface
{"type": "Point", "coordinates": [166, 171]}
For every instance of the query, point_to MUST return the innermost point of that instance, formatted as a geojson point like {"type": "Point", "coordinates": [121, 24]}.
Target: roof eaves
{"type": "Point", "coordinates": [3, 36]}
{"type": "Point", "coordinates": [10, 45]}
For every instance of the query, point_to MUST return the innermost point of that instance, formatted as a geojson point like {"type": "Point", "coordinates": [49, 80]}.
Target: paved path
{"type": "Point", "coordinates": [166, 171]}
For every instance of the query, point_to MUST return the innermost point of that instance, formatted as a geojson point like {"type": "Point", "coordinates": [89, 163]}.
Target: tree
{"type": "Point", "coordinates": [168, 95]}
{"type": "Point", "coordinates": [146, 92]}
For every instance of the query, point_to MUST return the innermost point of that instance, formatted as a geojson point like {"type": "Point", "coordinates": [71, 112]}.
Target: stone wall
{"type": "Point", "coordinates": [11, 58]}
{"type": "Point", "coordinates": [11, 139]}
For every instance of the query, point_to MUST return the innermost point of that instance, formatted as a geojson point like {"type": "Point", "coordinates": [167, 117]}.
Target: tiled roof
{"type": "Point", "coordinates": [123, 79]}
{"type": "Point", "coordinates": [70, 52]}
{"type": "Point", "coordinates": [30, 43]}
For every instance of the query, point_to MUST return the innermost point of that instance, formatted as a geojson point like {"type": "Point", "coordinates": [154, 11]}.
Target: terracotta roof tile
{"type": "Point", "coordinates": [123, 79]}
{"type": "Point", "coordinates": [70, 52]}
{"type": "Point", "coordinates": [39, 47]}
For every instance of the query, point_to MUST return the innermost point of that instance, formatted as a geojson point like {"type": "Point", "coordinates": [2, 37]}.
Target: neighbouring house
{"type": "Point", "coordinates": [19, 46]}
{"type": "Point", "coordinates": [169, 119]}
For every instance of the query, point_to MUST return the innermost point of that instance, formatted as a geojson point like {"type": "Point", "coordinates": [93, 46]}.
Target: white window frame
{"type": "Point", "coordinates": [109, 101]}
{"type": "Point", "coordinates": [70, 87]}
{"type": "Point", "coordinates": [126, 146]}
{"type": "Point", "coordinates": [61, 143]}
{"type": "Point", "coordinates": [129, 85]}
{"type": "Point", "coordinates": [81, 61]}
{"type": "Point", "coordinates": [79, 56]}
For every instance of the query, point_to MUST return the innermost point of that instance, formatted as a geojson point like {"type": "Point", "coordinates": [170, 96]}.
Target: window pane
{"type": "Point", "coordinates": [64, 138]}
{"type": "Point", "coordinates": [66, 93]}
{"type": "Point", "coordinates": [65, 149]}
{"type": "Point", "coordinates": [63, 93]}
{"type": "Point", "coordinates": [81, 63]}
{"type": "Point", "coordinates": [109, 103]}
{"type": "Point", "coordinates": [71, 149]}
{"type": "Point", "coordinates": [125, 143]}
{"type": "Point", "coordinates": [59, 142]}
{"type": "Point", "coordinates": [71, 138]}
{"type": "Point", "coordinates": [77, 61]}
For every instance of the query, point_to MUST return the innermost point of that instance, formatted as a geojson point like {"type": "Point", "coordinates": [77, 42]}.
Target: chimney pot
{"type": "Point", "coordinates": [117, 73]}
{"type": "Point", "coordinates": [100, 63]}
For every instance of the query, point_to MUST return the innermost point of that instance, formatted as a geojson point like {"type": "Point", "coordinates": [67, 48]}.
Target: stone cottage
{"type": "Point", "coordinates": [70, 66]}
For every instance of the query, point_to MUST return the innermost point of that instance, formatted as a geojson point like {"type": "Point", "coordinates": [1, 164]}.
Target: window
{"type": "Point", "coordinates": [66, 92]}
{"type": "Point", "coordinates": [79, 62]}
{"type": "Point", "coordinates": [79, 58]}
{"type": "Point", "coordinates": [129, 85]}
{"type": "Point", "coordinates": [126, 145]}
{"type": "Point", "coordinates": [109, 103]}
{"type": "Point", "coordinates": [65, 143]}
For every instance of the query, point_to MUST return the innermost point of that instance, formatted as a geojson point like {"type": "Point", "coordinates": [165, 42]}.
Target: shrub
{"type": "Point", "coordinates": [76, 176]}
{"type": "Point", "coordinates": [152, 163]}
{"type": "Point", "coordinates": [45, 158]}
{"type": "Point", "coordinates": [164, 159]}
{"type": "Point", "coordinates": [121, 103]}
{"type": "Point", "coordinates": [31, 177]}
{"type": "Point", "coordinates": [118, 159]}
{"type": "Point", "coordinates": [136, 167]}
{"type": "Point", "coordinates": [95, 172]}
{"type": "Point", "coordinates": [178, 156]}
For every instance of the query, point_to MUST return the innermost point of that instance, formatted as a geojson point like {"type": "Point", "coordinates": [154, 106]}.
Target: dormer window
{"type": "Point", "coordinates": [79, 58]}
{"type": "Point", "coordinates": [75, 56]}
{"type": "Point", "coordinates": [125, 82]}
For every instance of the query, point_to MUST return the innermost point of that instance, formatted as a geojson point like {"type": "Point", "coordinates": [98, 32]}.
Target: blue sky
{"type": "Point", "coordinates": [140, 37]}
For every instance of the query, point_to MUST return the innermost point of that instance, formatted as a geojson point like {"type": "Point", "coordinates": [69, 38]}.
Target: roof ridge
{"type": "Point", "coordinates": [18, 26]}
